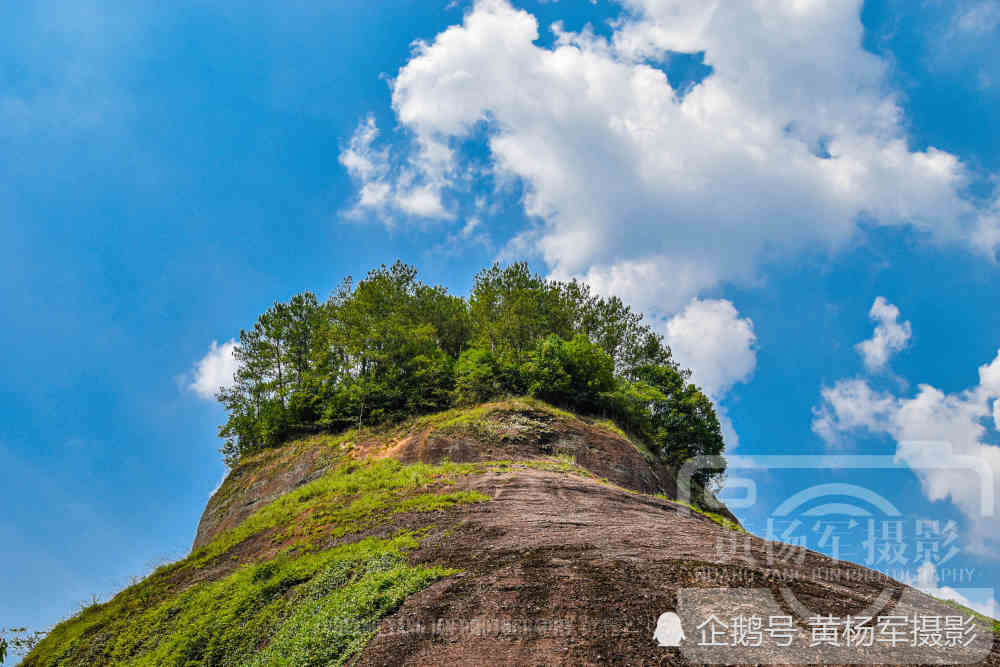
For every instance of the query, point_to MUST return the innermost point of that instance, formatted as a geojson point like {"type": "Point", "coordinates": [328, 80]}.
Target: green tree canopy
{"type": "Point", "coordinates": [390, 347]}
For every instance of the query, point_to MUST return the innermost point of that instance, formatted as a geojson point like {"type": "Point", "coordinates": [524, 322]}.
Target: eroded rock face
{"type": "Point", "coordinates": [562, 570]}
{"type": "Point", "coordinates": [509, 432]}
{"type": "Point", "coordinates": [253, 484]}
{"type": "Point", "coordinates": [576, 565]}
{"type": "Point", "coordinates": [531, 435]}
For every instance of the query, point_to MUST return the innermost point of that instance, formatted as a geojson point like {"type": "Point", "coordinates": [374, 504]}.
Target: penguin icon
{"type": "Point", "coordinates": [668, 630]}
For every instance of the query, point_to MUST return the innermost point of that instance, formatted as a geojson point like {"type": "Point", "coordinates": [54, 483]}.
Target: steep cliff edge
{"type": "Point", "coordinates": [509, 533]}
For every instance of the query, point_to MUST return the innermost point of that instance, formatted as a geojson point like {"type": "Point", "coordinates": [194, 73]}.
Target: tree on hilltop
{"type": "Point", "coordinates": [390, 347]}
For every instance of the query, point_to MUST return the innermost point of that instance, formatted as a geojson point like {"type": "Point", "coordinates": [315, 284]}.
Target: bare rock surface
{"type": "Point", "coordinates": [563, 570]}
{"type": "Point", "coordinates": [574, 566]}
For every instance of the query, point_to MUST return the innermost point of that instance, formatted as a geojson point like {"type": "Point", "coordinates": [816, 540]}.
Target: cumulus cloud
{"type": "Point", "coordinates": [850, 405]}
{"type": "Point", "coordinates": [658, 193]}
{"type": "Point", "coordinates": [928, 581]}
{"type": "Point", "coordinates": [944, 437]}
{"type": "Point", "coordinates": [960, 41]}
{"type": "Point", "coordinates": [388, 191]}
{"type": "Point", "coordinates": [978, 18]}
{"type": "Point", "coordinates": [215, 370]}
{"type": "Point", "coordinates": [719, 347]}
{"type": "Point", "coordinates": [711, 339]}
{"type": "Point", "coordinates": [890, 336]}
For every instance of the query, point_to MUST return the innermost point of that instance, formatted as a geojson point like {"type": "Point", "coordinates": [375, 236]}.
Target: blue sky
{"type": "Point", "coordinates": [753, 183]}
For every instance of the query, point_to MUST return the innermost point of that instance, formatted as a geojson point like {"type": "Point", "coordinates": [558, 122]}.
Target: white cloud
{"type": "Point", "coordinates": [920, 426]}
{"type": "Point", "coordinates": [360, 158]}
{"type": "Point", "coordinates": [214, 370]}
{"type": "Point", "coordinates": [890, 336]}
{"type": "Point", "coordinates": [471, 225]}
{"type": "Point", "coordinates": [387, 190]}
{"type": "Point", "coordinates": [471, 234]}
{"type": "Point", "coordinates": [987, 230]}
{"type": "Point", "coordinates": [850, 405]}
{"type": "Point", "coordinates": [979, 18]}
{"type": "Point", "coordinates": [711, 339]}
{"type": "Point", "coordinates": [989, 376]}
{"type": "Point", "coordinates": [960, 39]}
{"type": "Point", "coordinates": [656, 193]}
{"type": "Point", "coordinates": [928, 581]}
{"type": "Point", "coordinates": [933, 431]}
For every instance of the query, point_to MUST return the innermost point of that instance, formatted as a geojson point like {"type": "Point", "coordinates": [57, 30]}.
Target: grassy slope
{"type": "Point", "coordinates": [306, 604]}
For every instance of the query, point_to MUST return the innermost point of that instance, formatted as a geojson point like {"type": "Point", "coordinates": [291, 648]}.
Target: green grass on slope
{"type": "Point", "coordinates": [318, 609]}
{"type": "Point", "coordinates": [301, 608]}
{"type": "Point", "coordinates": [352, 497]}
{"type": "Point", "coordinates": [304, 606]}
{"type": "Point", "coordinates": [717, 518]}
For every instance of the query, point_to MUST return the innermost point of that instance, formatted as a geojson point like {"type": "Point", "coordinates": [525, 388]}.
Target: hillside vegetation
{"type": "Point", "coordinates": [391, 347]}
{"type": "Point", "coordinates": [470, 536]}
{"type": "Point", "coordinates": [359, 430]}
{"type": "Point", "coordinates": [378, 512]}
{"type": "Point", "coordinates": [305, 577]}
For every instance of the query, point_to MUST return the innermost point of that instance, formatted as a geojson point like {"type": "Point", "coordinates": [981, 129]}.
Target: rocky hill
{"type": "Point", "coordinates": [510, 533]}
